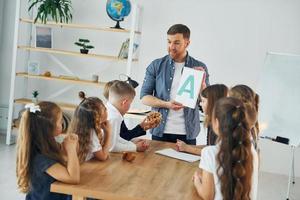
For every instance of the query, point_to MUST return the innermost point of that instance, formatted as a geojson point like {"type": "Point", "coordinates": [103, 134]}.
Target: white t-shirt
{"type": "Point", "coordinates": [118, 143]}
{"type": "Point", "coordinates": [94, 146]}
{"type": "Point", "coordinates": [209, 163]}
{"type": "Point", "coordinates": [175, 123]}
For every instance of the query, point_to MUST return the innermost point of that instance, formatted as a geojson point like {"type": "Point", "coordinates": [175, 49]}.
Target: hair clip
{"type": "Point", "coordinates": [33, 108]}
{"type": "Point", "coordinates": [240, 142]}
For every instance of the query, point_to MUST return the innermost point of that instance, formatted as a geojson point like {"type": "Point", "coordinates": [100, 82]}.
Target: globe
{"type": "Point", "coordinates": [117, 10]}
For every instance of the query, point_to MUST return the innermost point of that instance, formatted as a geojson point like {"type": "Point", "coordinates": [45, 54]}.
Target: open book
{"type": "Point", "coordinates": [178, 155]}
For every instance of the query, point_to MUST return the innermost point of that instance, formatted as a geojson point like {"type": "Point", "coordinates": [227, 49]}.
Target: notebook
{"type": "Point", "coordinates": [178, 155]}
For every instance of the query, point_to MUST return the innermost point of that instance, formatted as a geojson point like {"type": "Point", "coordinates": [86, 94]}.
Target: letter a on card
{"type": "Point", "coordinates": [189, 87]}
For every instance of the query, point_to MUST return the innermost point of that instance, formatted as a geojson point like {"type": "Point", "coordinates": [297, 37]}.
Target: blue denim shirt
{"type": "Point", "coordinates": [158, 82]}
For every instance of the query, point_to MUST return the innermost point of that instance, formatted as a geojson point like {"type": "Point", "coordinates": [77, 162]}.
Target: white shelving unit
{"type": "Point", "coordinates": [15, 73]}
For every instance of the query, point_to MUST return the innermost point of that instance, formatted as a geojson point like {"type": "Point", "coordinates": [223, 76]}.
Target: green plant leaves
{"type": "Point", "coordinates": [58, 10]}
{"type": "Point", "coordinates": [79, 44]}
{"type": "Point", "coordinates": [84, 40]}
{"type": "Point", "coordinates": [83, 43]}
{"type": "Point", "coordinates": [89, 47]}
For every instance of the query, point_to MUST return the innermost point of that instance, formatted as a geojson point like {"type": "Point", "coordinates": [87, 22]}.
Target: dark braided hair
{"type": "Point", "coordinates": [235, 160]}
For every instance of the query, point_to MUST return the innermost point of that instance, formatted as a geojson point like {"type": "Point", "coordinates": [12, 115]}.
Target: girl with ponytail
{"type": "Point", "coordinates": [90, 123]}
{"type": "Point", "coordinates": [251, 101]}
{"type": "Point", "coordinates": [39, 157]}
{"type": "Point", "coordinates": [230, 168]}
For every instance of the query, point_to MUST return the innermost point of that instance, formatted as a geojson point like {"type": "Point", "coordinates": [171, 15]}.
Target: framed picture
{"type": "Point", "coordinates": [123, 53]}
{"type": "Point", "coordinates": [43, 37]}
{"type": "Point", "coordinates": [33, 67]}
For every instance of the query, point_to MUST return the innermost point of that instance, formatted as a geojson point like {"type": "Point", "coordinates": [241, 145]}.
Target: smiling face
{"type": "Point", "coordinates": [177, 46]}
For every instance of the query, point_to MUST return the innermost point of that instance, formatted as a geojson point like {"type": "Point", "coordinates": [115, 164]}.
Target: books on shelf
{"type": "Point", "coordinates": [123, 53]}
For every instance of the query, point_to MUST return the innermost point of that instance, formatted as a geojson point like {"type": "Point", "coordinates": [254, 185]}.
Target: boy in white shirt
{"type": "Point", "coordinates": [121, 95]}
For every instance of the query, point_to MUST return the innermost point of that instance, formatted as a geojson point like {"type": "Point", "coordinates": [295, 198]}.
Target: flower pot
{"type": "Point", "coordinates": [84, 51]}
{"type": "Point", "coordinates": [34, 100]}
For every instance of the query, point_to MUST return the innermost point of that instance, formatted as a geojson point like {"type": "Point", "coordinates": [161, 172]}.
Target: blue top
{"type": "Point", "coordinates": [158, 81]}
{"type": "Point", "coordinates": [41, 181]}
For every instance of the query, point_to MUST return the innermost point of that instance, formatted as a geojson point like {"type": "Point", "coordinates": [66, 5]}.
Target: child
{"type": "Point", "coordinates": [125, 133]}
{"type": "Point", "coordinates": [251, 101]}
{"type": "Point", "coordinates": [39, 157]}
{"type": "Point", "coordinates": [121, 95]}
{"type": "Point", "coordinates": [208, 98]}
{"type": "Point", "coordinates": [230, 168]}
{"type": "Point", "coordinates": [106, 88]}
{"type": "Point", "coordinates": [89, 119]}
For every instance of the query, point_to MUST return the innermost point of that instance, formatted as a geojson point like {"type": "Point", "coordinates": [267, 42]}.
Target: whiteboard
{"type": "Point", "coordinates": [279, 91]}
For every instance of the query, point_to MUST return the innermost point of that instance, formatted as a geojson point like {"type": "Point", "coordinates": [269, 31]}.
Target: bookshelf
{"type": "Point", "coordinates": [73, 53]}
{"type": "Point", "coordinates": [134, 114]}
{"type": "Point", "coordinates": [79, 26]}
{"type": "Point", "coordinates": [58, 78]}
{"type": "Point", "coordinates": [18, 47]}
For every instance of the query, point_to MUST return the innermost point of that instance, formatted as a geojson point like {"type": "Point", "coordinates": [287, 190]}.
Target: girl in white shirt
{"type": "Point", "coordinates": [230, 168]}
{"type": "Point", "coordinates": [90, 123]}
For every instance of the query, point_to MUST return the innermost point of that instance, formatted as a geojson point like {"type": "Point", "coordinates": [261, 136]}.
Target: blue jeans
{"type": "Point", "coordinates": [173, 138]}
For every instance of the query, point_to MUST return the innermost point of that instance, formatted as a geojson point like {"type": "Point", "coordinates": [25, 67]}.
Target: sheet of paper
{"type": "Point", "coordinates": [189, 87]}
{"type": "Point", "coordinates": [178, 155]}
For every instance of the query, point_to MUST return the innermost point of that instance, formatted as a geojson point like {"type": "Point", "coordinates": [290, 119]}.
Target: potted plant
{"type": "Point", "coordinates": [58, 10]}
{"type": "Point", "coordinates": [84, 44]}
{"type": "Point", "coordinates": [35, 94]}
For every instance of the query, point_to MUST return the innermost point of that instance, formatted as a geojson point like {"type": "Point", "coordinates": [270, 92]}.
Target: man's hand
{"type": "Point", "coordinates": [173, 105]}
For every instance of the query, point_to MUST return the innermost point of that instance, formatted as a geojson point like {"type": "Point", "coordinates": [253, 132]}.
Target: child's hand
{"type": "Point", "coordinates": [106, 127]}
{"type": "Point", "coordinates": [147, 124]}
{"type": "Point", "coordinates": [181, 146]}
{"type": "Point", "coordinates": [70, 143]}
{"type": "Point", "coordinates": [197, 179]}
{"type": "Point", "coordinates": [141, 145]}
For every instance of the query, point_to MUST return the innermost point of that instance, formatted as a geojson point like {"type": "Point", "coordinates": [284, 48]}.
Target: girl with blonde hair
{"type": "Point", "coordinates": [90, 123]}
{"type": "Point", "coordinates": [39, 157]}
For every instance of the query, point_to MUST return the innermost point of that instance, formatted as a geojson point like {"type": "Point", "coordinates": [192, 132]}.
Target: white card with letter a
{"type": "Point", "coordinates": [189, 87]}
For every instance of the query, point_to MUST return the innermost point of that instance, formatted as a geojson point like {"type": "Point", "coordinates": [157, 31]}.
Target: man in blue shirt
{"type": "Point", "coordinates": [160, 86]}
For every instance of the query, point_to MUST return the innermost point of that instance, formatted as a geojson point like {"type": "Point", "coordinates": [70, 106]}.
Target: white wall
{"type": "Point", "coordinates": [231, 37]}
{"type": "Point", "coordinates": [7, 15]}
{"type": "Point", "coordinates": [1, 21]}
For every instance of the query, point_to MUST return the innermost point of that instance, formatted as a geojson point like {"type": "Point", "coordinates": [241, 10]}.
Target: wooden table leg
{"type": "Point", "coordinates": [74, 197]}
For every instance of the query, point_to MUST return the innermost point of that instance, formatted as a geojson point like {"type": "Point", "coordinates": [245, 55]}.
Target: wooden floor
{"type": "Point", "coordinates": [271, 186]}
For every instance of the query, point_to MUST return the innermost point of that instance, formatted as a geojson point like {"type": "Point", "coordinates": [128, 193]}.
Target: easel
{"type": "Point", "coordinates": [292, 172]}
